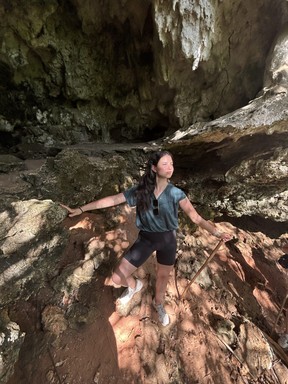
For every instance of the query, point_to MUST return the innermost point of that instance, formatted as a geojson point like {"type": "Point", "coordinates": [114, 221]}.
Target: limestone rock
{"type": "Point", "coordinates": [225, 329]}
{"type": "Point", "coordinates": [276, 72]}
{"type": "Point", "coordinates": [11, 339]}
{"type": "Point", "coordinates": [31, 241]}
{"type": "Point", "coordinates": [254, 350]}
{"type": "Point", "coordinates": [10, 163]}
{"type": "Point", "coordinates": [53, 320]}
{"type": "Point", "coordinates": [131, 69]}
{"type": "Point", "coordinates": [5, 126]}
{"type": "Point", "coordinates": [65, 177]}
{"type": "Point", "coordinates": [283, 341]}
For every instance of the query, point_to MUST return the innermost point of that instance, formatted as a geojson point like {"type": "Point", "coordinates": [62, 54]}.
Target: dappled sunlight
{"type": "Point", "coordinates": [254, 350]}
{"type": "Point", "coordinates": [5, 217]}
{"type": "Point", "coordinates": [96, 246]}
{"type": "Point", "coordinates": [233, 286]}
{"type": "Point", "coordinates": [269, 307]}
{"type": "Point", "coordinates": [234, 264]}
{"type": "Point", "coordinates": [187, 325]}
{"type": "Point", "coordinates": [29, 220]}
{"type": "Point", "coordinates": [114, 318]}
{"type": "Point", "coordinates": [195, 334]}
{"type": "Point", "coordinates": [84, 223]}
{"type": "Point", "coordinates": [237, 269]}
{"type": "Point", "coordinates": [15, 271]}
{"type": "Point", "coordinates": [135, 337]}
{"type": "Point", "coordinates": [26, 238]}
{"type": "Point", "coordinates": [125, 328]}
{"type": "Point", "coordinates": [192, 321]}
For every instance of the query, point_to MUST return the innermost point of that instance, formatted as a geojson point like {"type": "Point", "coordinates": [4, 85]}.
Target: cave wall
{"type": "Point", "coordinates": [73, 71]}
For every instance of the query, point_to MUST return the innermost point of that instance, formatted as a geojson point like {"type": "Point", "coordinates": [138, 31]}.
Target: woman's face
{"type": "Point", "coordinates": [165, 167]}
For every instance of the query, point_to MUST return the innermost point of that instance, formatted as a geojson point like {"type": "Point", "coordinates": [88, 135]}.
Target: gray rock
{"type": "Point", "coordinates": [30, 243]}
{"type": "Point", "coordinates": [253, 350]}
{"type": "Point", "coordinates": [10, 163]}
{"type": "Point", "coordinates": [283, 341]}
{"type": "Point", "coordinates": [11, 339]}
{"type": "Point", "coordinates": [75, 179]}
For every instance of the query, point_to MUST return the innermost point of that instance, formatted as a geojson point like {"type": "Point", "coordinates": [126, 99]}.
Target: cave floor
{"type": "Point", "coordinates": [112, 346]}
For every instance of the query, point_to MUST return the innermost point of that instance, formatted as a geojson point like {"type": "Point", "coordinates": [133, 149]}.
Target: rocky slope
{"type": "Point", "coordinates": [60, 318]}
{"type": "Point", "coordinates": [87, 89]}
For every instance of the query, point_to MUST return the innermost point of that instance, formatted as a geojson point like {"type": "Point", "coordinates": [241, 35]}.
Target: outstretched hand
{"type": "Point", "coordinates": [225, 236]}
{"type": "Point", "coordinates": [72, 211]}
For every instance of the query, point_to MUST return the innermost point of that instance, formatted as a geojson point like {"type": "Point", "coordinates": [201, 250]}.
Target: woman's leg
{"type": "Point", "coordinates": [134, 258]}
{"type": "Point", "coordinates": [162, 277]}
{"type": "Point", "coordinates": [123, 274]}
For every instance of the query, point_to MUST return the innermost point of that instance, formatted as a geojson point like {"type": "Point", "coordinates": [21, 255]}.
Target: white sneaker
{"type": "Point", "coordinates": [162, 315]}
{"type": "Point", "coordinates": [130, 292]}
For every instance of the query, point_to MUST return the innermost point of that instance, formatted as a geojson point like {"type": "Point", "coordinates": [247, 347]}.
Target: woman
{"type": "Point", "coordinates": [156, 202]}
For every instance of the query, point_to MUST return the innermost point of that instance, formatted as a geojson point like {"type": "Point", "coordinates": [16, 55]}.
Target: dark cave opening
{"type": "Point", "coordinates": [273, 229]}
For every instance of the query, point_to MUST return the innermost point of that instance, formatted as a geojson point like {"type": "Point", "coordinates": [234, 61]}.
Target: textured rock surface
{"type": "Point", "coordinates": [74, 315]}
{"type": "Point", "coordinates": [244, 164]}
{"type": "Point", "coordinates": [11, 340]}
{"type": "Point", "coordinates": [30, 242]}
{"type": "Point", "coordinates": [79, 70]}
{"type": "Point", "coordinates": [213, 76]}
{"type": "Point", "coordinates": [242, 157]}
{"type": "Point", "coordinates": [58, 280]}
{"type": "Point", "coordinates": [131, 70]}
{"type": "Point", "coordinates": [30, 248]}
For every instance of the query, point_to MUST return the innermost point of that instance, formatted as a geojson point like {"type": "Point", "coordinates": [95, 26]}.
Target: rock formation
{"type": "Point", "coordinates": [87, 89]}
{"type": "Point", "coordinates": [135, 70]}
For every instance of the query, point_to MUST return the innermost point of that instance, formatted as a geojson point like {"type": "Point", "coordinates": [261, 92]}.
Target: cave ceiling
{"type": "Point", "coordinates": [130, 70]}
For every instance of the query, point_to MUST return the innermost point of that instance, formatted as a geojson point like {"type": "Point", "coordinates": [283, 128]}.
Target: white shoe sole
{"type": "Point", "coordinates": [166, 320]}
{"type": "Point", "coordinates": [125, 300]}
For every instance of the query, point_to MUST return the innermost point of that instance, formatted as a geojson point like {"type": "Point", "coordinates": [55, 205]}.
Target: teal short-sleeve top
{"type": "Point", "coordinates": [167, 217]}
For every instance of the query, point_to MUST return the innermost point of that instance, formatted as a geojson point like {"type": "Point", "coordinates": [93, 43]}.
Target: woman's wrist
{"type": "Point", "coordinates": [81, 209]}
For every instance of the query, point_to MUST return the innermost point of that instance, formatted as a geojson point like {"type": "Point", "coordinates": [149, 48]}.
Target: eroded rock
{"type": "Point", "coordinates": [254, 350]}
{"type": "Point", "coordinates": [31, 241]}
{"type": "Point", "coordinates": [11, 339]}
{"type": "Point", "coordinates": [10, 163]}
{"type": "Point", "coordinates": [53, 320]}
{"type": "Point", "coordinates": [64, 178]}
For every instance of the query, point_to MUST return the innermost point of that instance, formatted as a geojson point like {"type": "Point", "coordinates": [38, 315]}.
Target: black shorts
{"type": "Point", "coordinates": [164, 243]}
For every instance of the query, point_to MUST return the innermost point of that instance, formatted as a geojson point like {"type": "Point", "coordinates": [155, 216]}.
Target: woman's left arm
{"type": "Point", "coordinates": [194, 216]}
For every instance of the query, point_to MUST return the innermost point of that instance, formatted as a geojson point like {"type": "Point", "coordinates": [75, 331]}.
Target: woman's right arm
{"type": "Point", "coordinates": [105, 202]}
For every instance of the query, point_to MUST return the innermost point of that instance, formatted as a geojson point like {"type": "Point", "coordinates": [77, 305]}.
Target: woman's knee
{"type": "Point", "coordinates": [116, 278]}
{"type": "Point", "coordinates": [122, 272]}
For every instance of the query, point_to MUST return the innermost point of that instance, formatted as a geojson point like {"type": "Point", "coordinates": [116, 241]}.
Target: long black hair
{"type": "Point", "coordinates": [147, 182]}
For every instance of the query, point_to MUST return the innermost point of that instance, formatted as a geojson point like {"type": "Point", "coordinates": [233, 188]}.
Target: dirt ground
{"type": "Point", "coordinates": [242, 285]}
